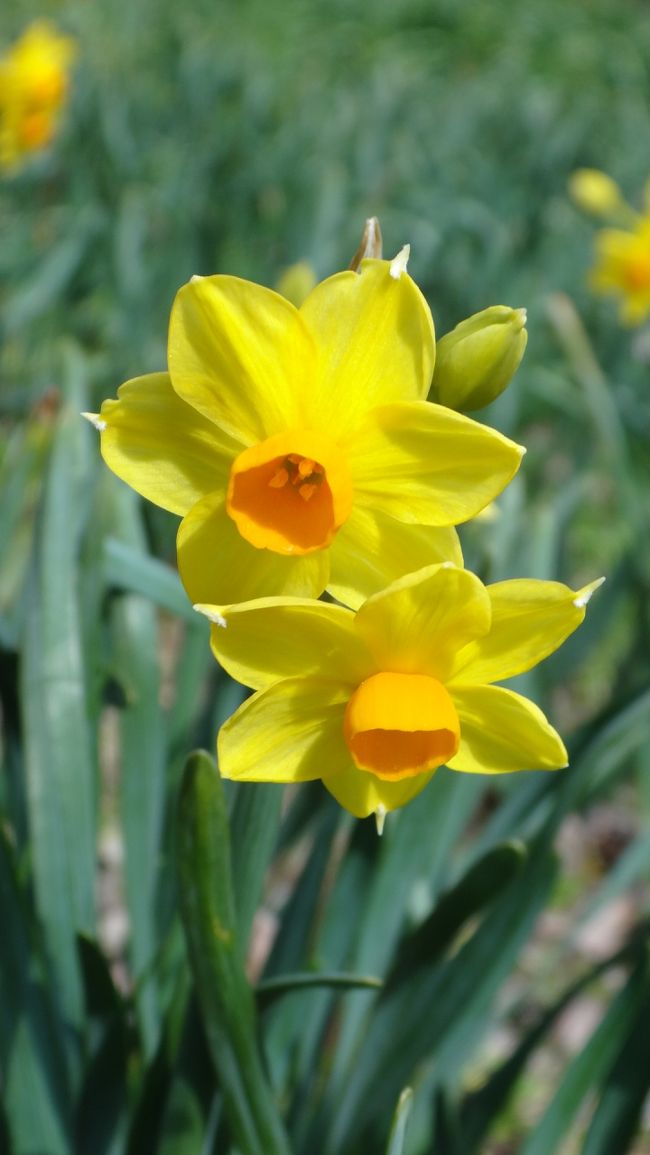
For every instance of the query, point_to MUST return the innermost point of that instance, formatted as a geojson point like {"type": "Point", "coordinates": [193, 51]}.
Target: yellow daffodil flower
{"type": "Point", "coordinates": [623, 268]}
{"type": "Point", "coordinates": [374, 702]}
{"type": "Point", "coordinates": [297, 444]}
{"type": "Point", "coordinates": [34, 82]}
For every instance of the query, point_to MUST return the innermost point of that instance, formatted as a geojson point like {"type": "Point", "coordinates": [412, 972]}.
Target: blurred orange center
{"type": "Point", "coordinates": [35, 129]}
{"type": "Point", "coordinates": [290, 493]}
{"type": "Point", "coordinates": [400, 725]}
{"type": "Point", "coordinates": [637, 273]}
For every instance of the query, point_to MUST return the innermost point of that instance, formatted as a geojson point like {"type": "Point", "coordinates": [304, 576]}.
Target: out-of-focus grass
{"type": "Point", "coordinates": [241, 137]}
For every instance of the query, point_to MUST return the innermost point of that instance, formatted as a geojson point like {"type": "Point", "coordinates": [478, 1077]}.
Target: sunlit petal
{"type": "Point", "coordinates": [424, 463]}
{"type": "Point", "coordinates": [376, 343]}
{"type": "Point", "coordinates": [363, 794]}
{"type": "Point", "coordinates": [372, 550]}
{"type": "Point", "coordinates": [530, 619]}
{"type": "Point", "coordinates": [419, 623]}
{"type": "Point", "coordinates": [162, 447]}
{"type": "Point", "coordinates": [260, 642]}
{"type": "Point", "coordinates": [242, 356]}
{"type": "Point", "coordinates": [290, 732]}
{"type": "Point", "coordinates": [501, 732]}
{"type": "Point", "coordinates": [218, 566]}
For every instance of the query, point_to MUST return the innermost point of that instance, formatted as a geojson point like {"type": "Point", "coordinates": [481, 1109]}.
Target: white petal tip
{"type": "Point", "coordinates": [95, 420]}
{"type": "Point", "coordinates": [583, 596]}
{"type": "Point", "coordinates": [399, 263]}
{"type": "Point", "coordinates": [213, 615]}
{"type": "Point", "coordinates": [380, 818]}
{"type": "Point", "coordinates": [196, 277]}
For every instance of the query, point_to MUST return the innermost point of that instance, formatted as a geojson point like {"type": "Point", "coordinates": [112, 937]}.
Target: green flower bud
{"type": "Point", "coordinates": [475, 362]}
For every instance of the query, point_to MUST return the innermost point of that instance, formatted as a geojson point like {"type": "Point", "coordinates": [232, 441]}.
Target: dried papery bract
{"type": "Point", "coordinates": [370, 245]}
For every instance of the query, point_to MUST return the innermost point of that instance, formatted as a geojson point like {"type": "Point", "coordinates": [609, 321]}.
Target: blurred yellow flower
{"type": "Point", "coordinates": [296, 282]}
{"type": "Point", "coordinates": [34, 81]}
{"type": "Point", "coordinates": [623, 268]}
{"type": "Point", "coordinates": [297, 444]}
{"type": "Point", "coordinates": [374, 702]}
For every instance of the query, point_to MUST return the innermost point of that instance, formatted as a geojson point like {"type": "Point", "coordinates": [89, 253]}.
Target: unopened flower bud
{"type": "Point", "coordinates": [476, 361]}
{"type": "Point", "coordinates": [595, 192]}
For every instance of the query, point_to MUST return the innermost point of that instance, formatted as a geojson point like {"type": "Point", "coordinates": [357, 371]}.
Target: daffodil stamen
{"type": "Point", "coordinates": [400, 725]}
{"type": "Point", "coordinates": [279, 479]}
{"type": "Point", "coordinates": [266, 481]}
{"type": "Point", "coordinates": [302, 473]}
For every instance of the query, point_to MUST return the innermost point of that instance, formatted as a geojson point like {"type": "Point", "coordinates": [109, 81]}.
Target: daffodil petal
{"type": "Point", "coordinates": [362, 793]}
{"type": "Point", "coordinates": [261, 642]}
{"type": "Point", "coordinates": [501, 732]}
{"type": "Point", "coordinates": [530, 619]}
{"type": "Point", "coordinates": [219, 567]}
{"type": "Point", "coordinates": [290, 732]}
{"type": "Point", "coordinates": [372, 550]}
{"type": "Point", "coordinates": [422, 462]}
{"type": "Point", "coordinates": [418, 623]}
{"type": "Point", "coordinates": [241, 355]}
{"type": "Point", "coordinates": [376, 341]}
{"type": "Point", "coordinates": [162, 447]}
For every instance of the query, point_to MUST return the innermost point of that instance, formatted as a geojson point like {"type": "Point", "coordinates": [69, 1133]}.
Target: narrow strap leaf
{"type": "Point", "coordinates": [400, 1123]}
{"type": "Point", "coordinates": [224, 995]}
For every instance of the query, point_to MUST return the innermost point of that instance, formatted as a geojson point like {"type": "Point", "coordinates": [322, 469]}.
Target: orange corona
{"type": "Point", "coordinates": [400, 725]}
{"type": "Point", "coordinates": [291, 493]}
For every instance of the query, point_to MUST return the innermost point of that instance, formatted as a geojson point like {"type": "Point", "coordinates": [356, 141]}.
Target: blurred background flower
{"type": "Point", "coordinates": [622, 266]}
{"type": "Point", "coordinates": [34, 83]}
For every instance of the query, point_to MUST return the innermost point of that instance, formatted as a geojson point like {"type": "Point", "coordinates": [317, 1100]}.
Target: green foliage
{"type": "Point", "coordinates": [239, 138]}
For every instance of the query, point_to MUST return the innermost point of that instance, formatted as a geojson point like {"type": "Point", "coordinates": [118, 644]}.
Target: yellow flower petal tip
{"type": "Point", "coordinates": [399, 263]}
{"type": "Point", "coordinates": [213, 615]}
{"type": "Point", "coordinates": [380, 819]}
{"type": "Point", "coordinates": [374, 702]}
{"type": "Point", "coordinates": [96, 421]}
{"type": "Point", "coordinates": [584, 595]}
